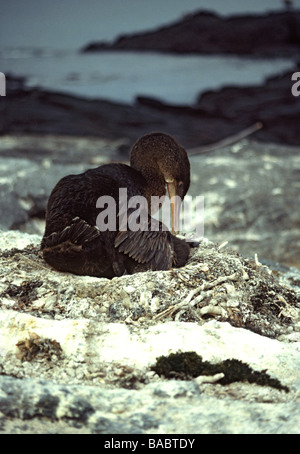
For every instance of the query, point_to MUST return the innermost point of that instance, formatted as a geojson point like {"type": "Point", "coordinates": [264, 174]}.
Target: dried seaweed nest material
{"type": "Point", "coordinates": [216, 283]}
{"type": "Point", "coordinates": [229, 287]}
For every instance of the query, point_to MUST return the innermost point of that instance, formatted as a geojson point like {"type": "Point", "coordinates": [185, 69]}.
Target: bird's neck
{"type": "Point", "coordinates": [155, 184]}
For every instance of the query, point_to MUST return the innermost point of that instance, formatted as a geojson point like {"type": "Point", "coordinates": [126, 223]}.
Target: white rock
{"type": "Point", "coordinates": [13, 239]}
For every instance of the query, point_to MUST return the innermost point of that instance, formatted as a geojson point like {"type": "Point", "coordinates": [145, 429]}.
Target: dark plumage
{"type": "Point", "coordinates": [72, 242]}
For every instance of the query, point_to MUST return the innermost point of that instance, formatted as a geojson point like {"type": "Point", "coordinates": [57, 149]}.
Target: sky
{"type": "Point", "coordinates": [74, 23]}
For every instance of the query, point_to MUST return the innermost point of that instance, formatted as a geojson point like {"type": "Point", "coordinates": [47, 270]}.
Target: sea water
{"type": "Point", "coordinates": [122, 76]}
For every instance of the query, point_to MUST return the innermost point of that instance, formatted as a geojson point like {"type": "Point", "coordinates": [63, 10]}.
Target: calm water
{"type": "Point", "coordinates": [121, 76]}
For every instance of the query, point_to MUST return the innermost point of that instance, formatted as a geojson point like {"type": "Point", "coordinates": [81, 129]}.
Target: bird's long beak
{"type": "Point", "coordinates": [175, 202]}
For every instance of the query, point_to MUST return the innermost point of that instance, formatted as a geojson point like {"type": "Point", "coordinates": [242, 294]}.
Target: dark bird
{"type": "Point", "coordinates": [74, 243]}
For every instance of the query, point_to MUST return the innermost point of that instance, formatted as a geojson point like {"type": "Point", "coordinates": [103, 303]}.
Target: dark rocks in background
{"type": "Point", "coordinates": [216, 114]}
{"type": "Point", "coordinates": [273, 35]}
{"type": "Point", "coordinates": [271, 103]}
{"type": "Point", "coordinates": [44, 112]}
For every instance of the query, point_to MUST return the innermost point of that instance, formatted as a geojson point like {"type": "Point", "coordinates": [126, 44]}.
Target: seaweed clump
{"type": "Point", "coordinates": [25, 293]}
{"type": "Point", "coordinates": [35, 346]}
{"type": "Point", "coordinates": [189, 365]}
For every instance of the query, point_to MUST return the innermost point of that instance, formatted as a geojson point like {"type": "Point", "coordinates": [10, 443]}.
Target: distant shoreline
{"type": "Point", "coordinates": [269, 35]}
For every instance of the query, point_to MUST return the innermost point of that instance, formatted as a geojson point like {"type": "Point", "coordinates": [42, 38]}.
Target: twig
{"type": "Point", "coordinates": [189, 301]}
{"type": "Point", "coordinates": [209, 378]}
{"type": "Point", "coordinates": [222, 245]}
{"type": "Point", "coordinates": [225, 142]}
{"type": "Point", "coordinates": [33, 263]}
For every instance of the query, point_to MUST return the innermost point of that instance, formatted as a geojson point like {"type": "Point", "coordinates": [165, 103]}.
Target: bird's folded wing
{"type": "Point", "coordinates": [146, 246]}
{"type": "Point", "coordinates": [78, 232]}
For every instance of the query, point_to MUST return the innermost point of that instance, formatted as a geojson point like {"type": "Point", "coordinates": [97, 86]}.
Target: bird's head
{"type": "Point", "coordinates": [163, 162]}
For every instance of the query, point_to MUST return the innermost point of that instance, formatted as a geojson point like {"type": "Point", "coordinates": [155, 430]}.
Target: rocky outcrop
{"type": "Point", "coordinates": [215, 115]}
{"type": "Point", "coordinates": [272, 35]}
{"type": "Point", "coordinates": [78, 354]}
{"type": "Point", "coordinates": [42, 112]}
{"type": "Point", "coordinates": [271, 103]}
